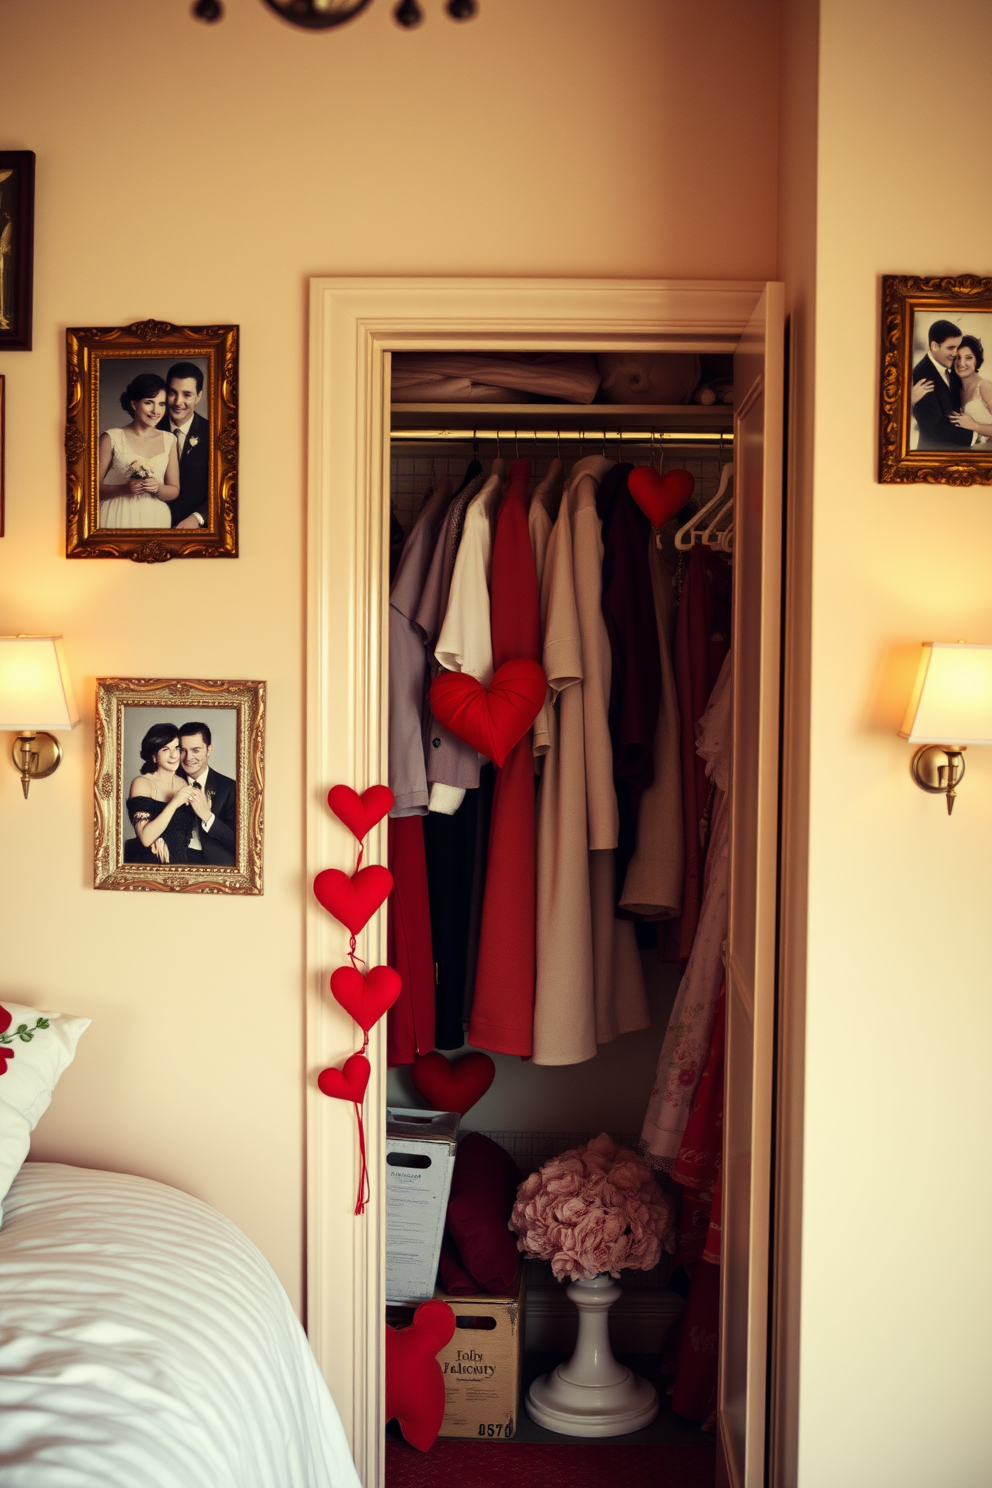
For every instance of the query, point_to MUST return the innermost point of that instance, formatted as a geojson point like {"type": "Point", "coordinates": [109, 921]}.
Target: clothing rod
{"type": "Point", "coordinates": [563, 436]}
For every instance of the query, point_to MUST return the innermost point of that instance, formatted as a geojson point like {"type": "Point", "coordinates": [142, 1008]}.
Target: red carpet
{"type": "Point", "coordinates": [469, 1464]}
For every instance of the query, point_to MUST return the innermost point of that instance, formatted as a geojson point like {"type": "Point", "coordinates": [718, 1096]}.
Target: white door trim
{"type": "Point", "coordinates": [354, 325]}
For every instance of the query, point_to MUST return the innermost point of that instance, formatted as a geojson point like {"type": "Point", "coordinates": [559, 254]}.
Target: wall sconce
{"type": "Point", "coordinates": [952, 701]}
{"type": "Point", "coordinates": [35, 695]}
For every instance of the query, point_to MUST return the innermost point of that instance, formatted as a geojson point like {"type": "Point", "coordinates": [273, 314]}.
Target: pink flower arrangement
{"type": "Point", "coordinates": [596, 1208]}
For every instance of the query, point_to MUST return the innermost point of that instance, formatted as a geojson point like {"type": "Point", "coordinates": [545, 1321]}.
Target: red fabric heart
{"type": "Point", "coordinates": [660, 496]}
{"type": "Point", "coordinates": [6, 1019]}
{"type": "Point", "coordinates": [353, 900]}
{"type": "Point", "coordinates": [415, 1392]}
{"type": "Point", "coordinates": [348, 1083]}
{"type": "Point", "coordinates": [492, 718]}
{"type": "Point", "coordinates": [366, 997]}
{"type": "Point", "coordinates": [453, 1087]}
{"type": "Point", "coordinates": [360, 813]}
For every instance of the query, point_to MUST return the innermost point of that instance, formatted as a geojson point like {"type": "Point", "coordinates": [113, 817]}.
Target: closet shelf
{"type": "Point", "coordinates": [447, 420]}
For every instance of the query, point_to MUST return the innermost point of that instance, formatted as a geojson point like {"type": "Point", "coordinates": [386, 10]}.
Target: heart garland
{"type": "Point", "coordinates": [366, 995]}
{"type": "Point", "coordinates": [660, 496]}
{"type": "Point", "coordinates": [495, 718]}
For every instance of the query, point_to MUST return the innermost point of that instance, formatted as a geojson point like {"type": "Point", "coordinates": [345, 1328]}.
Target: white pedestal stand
{"type": "Point", "coordinates": [592, 1395]}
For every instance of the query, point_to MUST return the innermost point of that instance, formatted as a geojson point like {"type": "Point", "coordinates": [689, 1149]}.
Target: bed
{"type": "Point", "coordinates": [146, 1343]}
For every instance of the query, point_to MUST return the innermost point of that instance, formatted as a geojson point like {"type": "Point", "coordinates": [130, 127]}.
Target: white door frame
{"type": "Point", "coordinates": [354, 325]}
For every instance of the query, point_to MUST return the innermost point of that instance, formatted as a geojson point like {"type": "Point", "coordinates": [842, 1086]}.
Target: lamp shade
{"type": "Point", "coordinates": [35, 687]}
{"type": "Point", "coordinates": [952, 699]}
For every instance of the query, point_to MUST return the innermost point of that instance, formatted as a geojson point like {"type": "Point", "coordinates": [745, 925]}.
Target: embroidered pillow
{"type": "Point", "coordinates": [35, 1047]}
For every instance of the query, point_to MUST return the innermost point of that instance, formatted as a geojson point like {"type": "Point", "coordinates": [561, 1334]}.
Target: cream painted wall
{"type": "Point", "coordinates": [897, 1289]}
{"type": "Point", "coordinates": [201, 174]}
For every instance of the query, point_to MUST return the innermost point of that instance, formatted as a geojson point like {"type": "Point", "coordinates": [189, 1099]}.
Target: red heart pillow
{"type": "Point", "coordinates": [453, 1087]}
{"type": "Point", "coordinates": [492, 718]}
{"type": "Point", "coordinates": [414, 1381]}
{"type": "Point", "coordinates": [353, 900]}
{"type": "Point", "coordinates": [660, 496]}
{"type": "Point", "coordinates": [348, 1083]}
{"type": "Point", "coordinates": [366, 997]}
{"type": "Point", "coordinates": [360, 813]}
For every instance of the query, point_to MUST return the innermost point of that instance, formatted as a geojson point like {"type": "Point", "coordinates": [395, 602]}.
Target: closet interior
{"type": "Point", "coordinates": [577, 512]}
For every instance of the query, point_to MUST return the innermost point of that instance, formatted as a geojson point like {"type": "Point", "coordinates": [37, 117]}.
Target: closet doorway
{"type": "Point", "coordinates": [356, 324]}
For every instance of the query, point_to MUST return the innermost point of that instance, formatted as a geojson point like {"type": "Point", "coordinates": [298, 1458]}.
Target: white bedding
{"type": "Point", "coordinates": [145, 1341]}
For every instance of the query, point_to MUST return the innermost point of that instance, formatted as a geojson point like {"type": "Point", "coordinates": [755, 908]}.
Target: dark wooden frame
{"type": "Point", "coordinates": [85, 348]}
{"type": "Point", "coordinates": [902, 296]}
{"type": "Point", "coordinates": [17, 336]}
{"type": "Point", "coordinates": [189, 697]}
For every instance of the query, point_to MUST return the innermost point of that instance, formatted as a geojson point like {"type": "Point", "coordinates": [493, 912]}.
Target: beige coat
{"type": "Point", "coordinates": [589, 981]}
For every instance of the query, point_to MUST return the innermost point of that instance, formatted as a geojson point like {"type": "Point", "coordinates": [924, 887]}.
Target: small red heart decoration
{"type": "Point", "coordinates": [353, 900]}
{"type": "Point", "coordinates": [366, 997]}
{"type": "Point", "coordinates": [349, 1083]}
{"type": "Point", "coordinates": [360, 813]}
{"type": "Point", "coordinates": [6, 1019]}
{"type": "Point", "coordinates": [660, 496]}
{"type": "Point", "coordinates": [492, 719]}
{"type": "Point", "coordinates": [453, 1087]}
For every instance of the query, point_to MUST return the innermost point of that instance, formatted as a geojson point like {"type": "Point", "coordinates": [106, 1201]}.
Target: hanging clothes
{"type": "Point", "coordinates": [410, 1021]}
{"type": "Point", "coordinates": [690, 1025]}
{"type": "Point", "coordinates": [542, 513]}
{"type": "Point", "coordinates": [589, 977]}
{"type": "Point", "coordinates": [449, 844]}
{"type": "Point", "coordinates": [652, 888]}
{"type": "Point", "coordinates": [408, 661]}
{"type": "Point", "coordinates": [702, 638]}
{"type": "Point", "coordinates": [465, 640]}
{"type": "Point", "coordinates": [503, 1005]}
{"type": "Point", "coordinates": [450, 761]}
{"type": "Point", "coordinates": [635, 685]}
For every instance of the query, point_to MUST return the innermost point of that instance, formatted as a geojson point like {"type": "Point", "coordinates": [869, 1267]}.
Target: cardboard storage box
{"type": "Point", "coordinates": [482, 1366]}
{"type": "Point", "coordinates": [420, 1158]}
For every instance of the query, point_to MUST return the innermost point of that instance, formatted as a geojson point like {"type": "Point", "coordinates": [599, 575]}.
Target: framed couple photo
{"type": "Point", "coordinates": [936, 397]}
{"type": "Point", "coordinates": [151, 442]}
{"type": "Point", "coordinates": [178, 789]}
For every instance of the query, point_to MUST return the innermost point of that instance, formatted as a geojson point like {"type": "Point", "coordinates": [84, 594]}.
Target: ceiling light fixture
{"type": "Point", "coordinates": [321, 15]}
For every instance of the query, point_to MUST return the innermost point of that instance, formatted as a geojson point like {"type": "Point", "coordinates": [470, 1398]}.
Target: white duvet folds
{"type": "Point", "coordinates": [145, 1343]}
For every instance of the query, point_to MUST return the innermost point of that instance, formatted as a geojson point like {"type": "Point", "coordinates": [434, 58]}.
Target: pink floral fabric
{"type": "Point", "coordinates": [687, 1040]}
{"type": "Point", "coordinates": [594, 1209]}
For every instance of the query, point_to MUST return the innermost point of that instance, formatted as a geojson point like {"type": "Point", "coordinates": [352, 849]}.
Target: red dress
{"type": "Point", "coordinates": [503, 1008]}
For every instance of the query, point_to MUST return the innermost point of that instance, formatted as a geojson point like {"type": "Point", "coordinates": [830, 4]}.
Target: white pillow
{"type": "Point", "coordinates": [35, 1047]}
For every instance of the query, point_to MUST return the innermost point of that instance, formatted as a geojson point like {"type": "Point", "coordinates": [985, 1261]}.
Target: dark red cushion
{"type": "Point", "coordinates": [452, 1275]}
{"type": "Point", "coordinates": [483, 1188]}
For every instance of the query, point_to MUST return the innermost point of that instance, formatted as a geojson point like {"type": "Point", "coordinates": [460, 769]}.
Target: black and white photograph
{"type": "Point", "coordinates": [935, 406]}
{"type": "Point", "coordinates": [16, 248]}
{"type": "Point", "coordinates": [182, 805]}
{"type": "Point", "coordinates": [151, 442]}
{"type": "Point", "coordinates": [179, 769]}
{"type": "Point", "coordinates": [951, 396]}
{"type": "Point", "coordinates": [154, 443]}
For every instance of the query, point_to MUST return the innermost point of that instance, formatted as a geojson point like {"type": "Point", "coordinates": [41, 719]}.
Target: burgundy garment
{"type": "Point", "coordinates": [503, 1005]}
{"type": "Point", "coordinates": [702, 639]}
{"type": "Point", "coordinates": [410, 1021]}
{"type": "Point", "coordinates": [483, 1189]}
{"type": "Point", "coordinates": [694, 1394]}
{"type": "Point", "coordinates": [635, 678]}
{"type": "Point", "coordinates": [451, 1274]}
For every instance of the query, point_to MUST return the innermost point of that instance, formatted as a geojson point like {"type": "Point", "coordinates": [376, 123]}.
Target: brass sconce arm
{"type": "Point", "coordinates": [939, 770]}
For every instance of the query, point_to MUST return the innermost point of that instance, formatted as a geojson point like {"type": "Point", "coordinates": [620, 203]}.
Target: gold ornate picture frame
{"type": "Point", "coordinates": [215, 748]}
{"type": "Point", "coordinates": [936, 384]}
{"type": "Point", "coordinates": [103, 365]}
